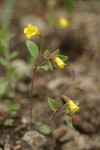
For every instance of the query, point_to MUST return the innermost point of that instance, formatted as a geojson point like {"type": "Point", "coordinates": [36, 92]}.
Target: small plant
{"type": "Point", "coordinates": [10, 78]}
{"type": "Point", "coordinates": [13, 108]}
{"type": "Point", "coordinates": [44, 59]}
{"type": "Point", "coordinates": [8, 82]}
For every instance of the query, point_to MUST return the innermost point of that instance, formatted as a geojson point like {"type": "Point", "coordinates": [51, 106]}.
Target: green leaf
{"type": "Point", "coordinates": [16, 106]}
{"type": "Point", "coordinates": [9, 92]}
{"type": "Point", "coordinates": [46, 54]}
{"type": "Point", "coordinates": [63, 57]}
{"type": "Point", "coordinates": [70, 113]}
{"type": "Point", "coordinates": [13, 113]}
{"type": "Point", "coordinates": [3, 62]}
{"type": "Point", "coordinates": [76, 102]}
{"type": "Point", "coordinates": [69, 121]}
{"type": "Point", "coordinates": [53, 104]}
{"type": "Point", "coordinates": [13, 55]}
{"type": "Point", "coordinates": [3, 87]}
{"type": "Point", "coordinates": [9, 122]}
{"type": "Point", "coordinates": [56, 52]}
{"type": "Point", "coordinates": [33, 49]}
{"type": "Point", "coordinates": [65, 107]}
{"type": "Point", "coordinates": [13, 107]}
{"type": "Point", "coordinates": [45, 67]}
{"type": "Point", "coordinates": [12, 73]}
{"type": "Point", "coordinates": [45, 129]}
{"type": "Point", "coordinates": [10, 105]}
{"type": "Point", "coordinates": [50, 65]}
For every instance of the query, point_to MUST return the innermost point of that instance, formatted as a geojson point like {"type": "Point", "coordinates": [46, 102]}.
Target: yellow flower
{"type": "Point", "coordinates": [64, 23]}
{"type": "Point", "coordinates": [31, 30]}
{"type": "Point", "coordinates": [59, 62]}
{"type": "Point", "coordinates": [72, 106]}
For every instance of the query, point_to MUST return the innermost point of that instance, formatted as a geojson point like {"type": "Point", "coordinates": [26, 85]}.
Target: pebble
{"type": "Point", "coordinates": [33, 140]}
{"type": "Point", "coordinates": [65, 133]}
{"type": "Point", "coordinates": [22, 68]}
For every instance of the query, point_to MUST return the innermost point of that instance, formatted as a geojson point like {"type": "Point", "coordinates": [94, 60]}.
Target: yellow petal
{"type": "Point", "coordinates": [36, 30]}
{"type": "Point", "coordinates": [28, 36]}
{"type": "Point", "coordinates": [33, 33]}
{"type": "Point", "coordinates": [61, 65]}
{"type": "Point", "coordinates": [25, 30]}
{"type": "Point", "coordinates": [59, 62]}
{"type": "Point", "coordinates": [73, 107]}
{"type": "Point", "coordinates": [30, 26]}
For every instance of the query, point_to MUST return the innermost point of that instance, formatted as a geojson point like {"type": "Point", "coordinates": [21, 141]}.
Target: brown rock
{"type": "Point", "coordinates": [33, 140]}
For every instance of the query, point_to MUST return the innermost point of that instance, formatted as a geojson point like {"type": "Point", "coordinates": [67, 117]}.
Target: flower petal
{"type": "Point", "coordinates": [26, 30]}
{"type": "Point", "coordinates": [73, 107]}
{"type": "Point", "coordinates": [59, 62]}
{"type": "Point", "coordinates": [28, 36]}
{"type": "Point", "coordinates": [33, 33]}
{"type": "Point", "coordinates": [30, 26]}
{"type": "Point", "coordinates": [37, 31]}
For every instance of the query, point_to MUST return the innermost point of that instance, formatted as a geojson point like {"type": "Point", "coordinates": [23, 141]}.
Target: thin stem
{"type": "Point", "coordinates": [40, 54]}
{"type": "Point", "coordinates": [48, 121]}
{"type": "Point", "coordinates": [51, 118]}
{"type": "Point", "coordinates": [31, 90]}
{"type": "Point", "coordinates": [32, 84]}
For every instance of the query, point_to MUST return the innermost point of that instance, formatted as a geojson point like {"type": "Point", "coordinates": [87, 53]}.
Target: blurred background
{"type": "Point", "coordinates": [80, 41]}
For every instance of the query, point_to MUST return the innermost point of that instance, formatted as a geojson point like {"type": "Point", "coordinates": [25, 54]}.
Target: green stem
{"type": "Point", "coordinates": [40, 54]}
{"type": "Point", "coordinates": [33, 80]}
{"type": "Point", "coordinates": [31, 95]}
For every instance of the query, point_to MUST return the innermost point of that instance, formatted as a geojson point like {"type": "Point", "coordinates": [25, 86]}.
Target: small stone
{"type": "Point", "coordinates": [22, 87]}
{"type": "Point", "coordinates": [22, 68]}
{"type": "Point", "coordinates": [70, 146]}
{"type": "Point", "coordinates": [59, 132]}
{"type": "Point", "coordinates": [33, 140]}
{"type": "Point", "coordinates": [65, 133]}
{"type": "Point", "coordinates": [7, 146]}
{"type": "Point", "coordinates": [17, 145]}
{"type": "Point", "coordinates": [55, 83]}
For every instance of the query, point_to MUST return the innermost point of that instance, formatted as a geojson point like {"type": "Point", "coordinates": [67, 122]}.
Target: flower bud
{"type": "Point", "coordinates": [72, 106]}
{"type": "Point", "coordinates": [64, 23]}
{"type": "Point", "coordinates": [59, 62]}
